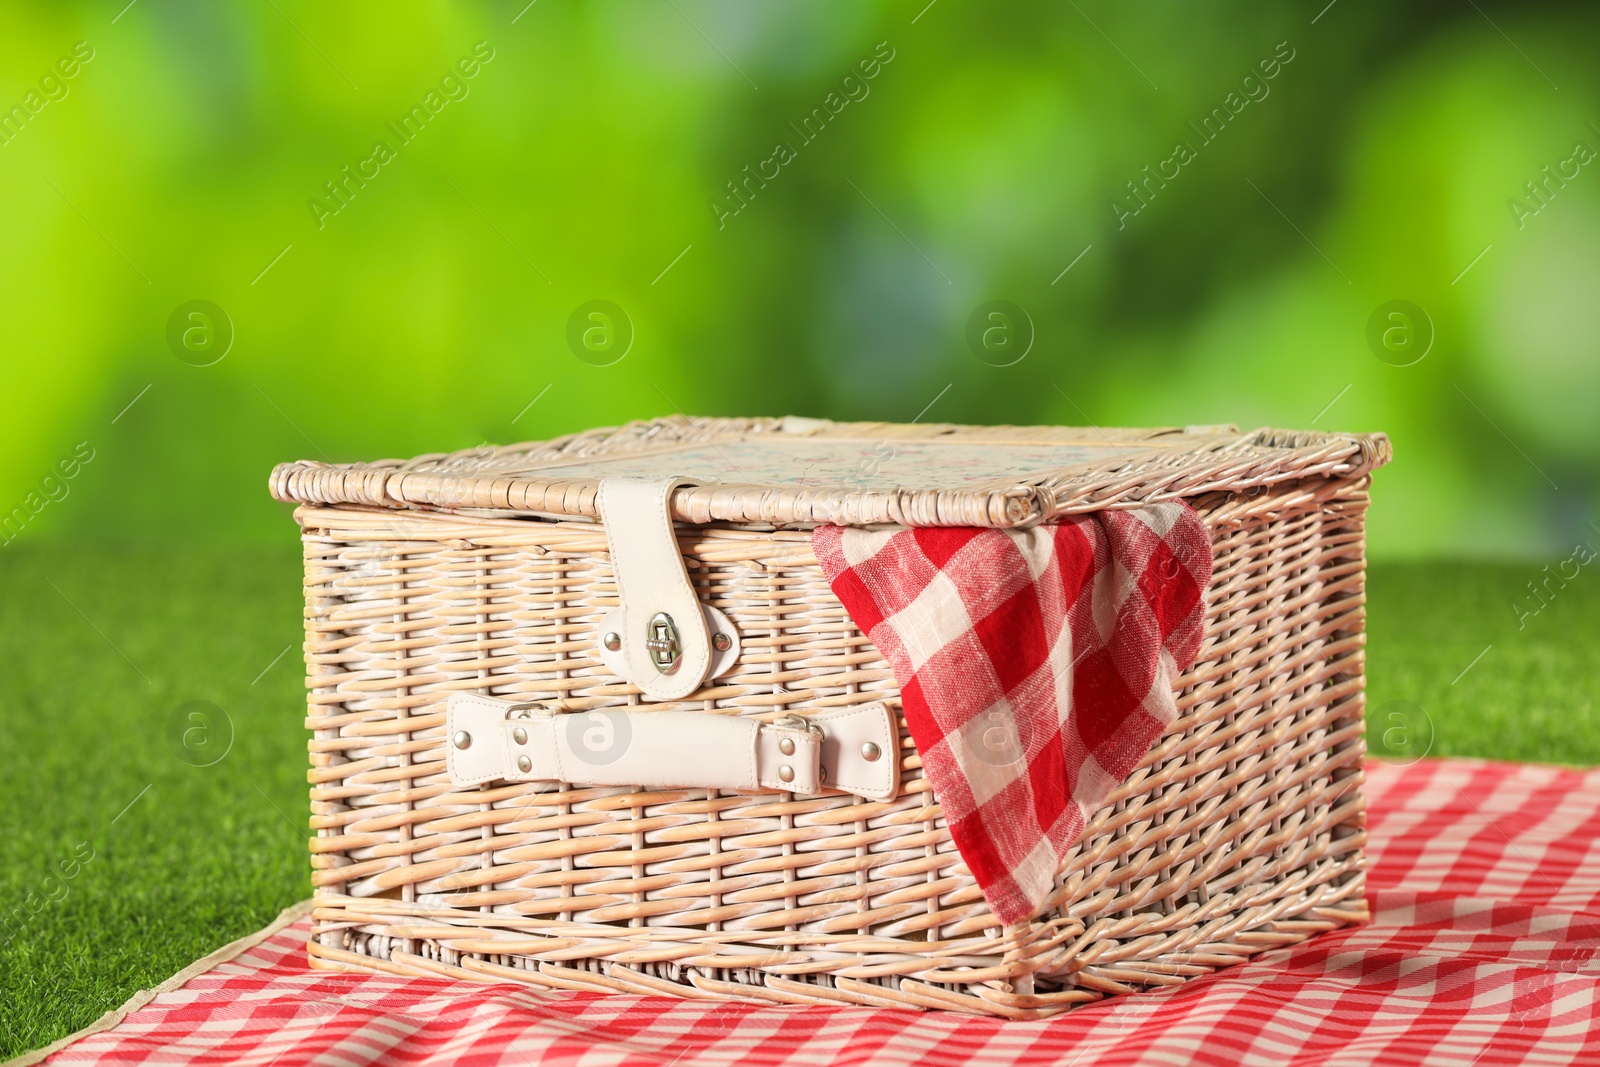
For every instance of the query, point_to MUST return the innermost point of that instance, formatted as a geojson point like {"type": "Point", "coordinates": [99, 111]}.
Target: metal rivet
{"type": "Point", "coordinates": [462, 739]}
{"type": "Point", "coordinates": [786, 746]}
{"type": "Point", "coordinates": [613, 642]}
{"type": "Point", "coordinates": [524, 764]}
{"type": "Point", "coordinates": [721, 642]}
{"type": "Point", "coordinates": [786, 772]}
{"type": "Point", "coordinates": [520, 736]}
{"type": "Point", "coordinates": [870, 752]}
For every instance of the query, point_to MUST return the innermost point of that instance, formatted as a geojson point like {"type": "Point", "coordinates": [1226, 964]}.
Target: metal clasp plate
{"type": "Point", "coordinates": [661, 640]}
{"type": "Point", "coordinates": [612, 625]}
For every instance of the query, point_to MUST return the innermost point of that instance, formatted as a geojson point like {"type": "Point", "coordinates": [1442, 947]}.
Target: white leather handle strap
{"type": "Point", "coordinates": [849, 749]}
{"type": "Point", "coordinates": [665, 642]}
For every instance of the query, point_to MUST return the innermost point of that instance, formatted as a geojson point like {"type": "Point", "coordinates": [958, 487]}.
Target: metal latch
{"type": "Point", "coordinates": [724, 644]}
{"type": "Point", "coordinates": [661, 639]}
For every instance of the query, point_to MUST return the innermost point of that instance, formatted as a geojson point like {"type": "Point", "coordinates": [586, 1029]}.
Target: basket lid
{"type": "Point", "coordinates": [800, 471]}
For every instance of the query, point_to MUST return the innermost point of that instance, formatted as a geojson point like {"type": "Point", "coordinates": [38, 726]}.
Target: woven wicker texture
{"type": "Point", "coordinates": [1242, 831]}
{"type": "Point", "coordinates": [798, 471]}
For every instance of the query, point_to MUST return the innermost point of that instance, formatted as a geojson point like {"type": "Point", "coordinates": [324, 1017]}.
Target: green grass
{"type": "Point", "coordinates": [1533, 696]}
{"type": "Point", "coordinates": [207, 854]}
{"type": "Point", "coordinates": [202, 857]}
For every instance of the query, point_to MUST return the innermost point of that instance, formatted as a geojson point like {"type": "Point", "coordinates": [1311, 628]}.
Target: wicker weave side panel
{"type": "Point", "coordinates": [1242, 829]}
{"type": "Point", "coordinates": [395, 626]}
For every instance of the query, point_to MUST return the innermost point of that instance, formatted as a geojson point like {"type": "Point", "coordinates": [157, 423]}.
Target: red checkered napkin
{"type": "Point", "coordinates": [1036, 667]}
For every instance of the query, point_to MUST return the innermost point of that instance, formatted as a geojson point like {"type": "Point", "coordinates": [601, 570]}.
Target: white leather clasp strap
{"type": "Point", "coordinates": [849, 749]}
{"type": "Point", "coordinates": [661, 632]}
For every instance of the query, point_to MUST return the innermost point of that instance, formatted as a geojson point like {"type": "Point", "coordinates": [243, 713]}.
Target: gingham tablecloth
{"type": "Point", "coordinates": [1484, 949]}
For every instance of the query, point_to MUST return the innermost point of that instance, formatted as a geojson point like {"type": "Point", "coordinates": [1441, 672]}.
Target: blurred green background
{"type": "Point", "coordinates": [582, 160]}
{"type": "Point", "coordinates": [958, 153]}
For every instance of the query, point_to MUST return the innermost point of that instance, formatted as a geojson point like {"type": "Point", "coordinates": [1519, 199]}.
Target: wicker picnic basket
{"type": "Point", "coordinates": [487, 574]}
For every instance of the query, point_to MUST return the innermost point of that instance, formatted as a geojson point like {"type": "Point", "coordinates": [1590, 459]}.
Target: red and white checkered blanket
{"type": "Point", "coordinates": [1036, 667]}
{"type": "Point", "coordinates": [1484, 950]}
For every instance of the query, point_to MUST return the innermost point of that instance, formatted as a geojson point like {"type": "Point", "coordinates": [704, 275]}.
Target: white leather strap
{"type": "Point", "coordinates": [665, 642]}
{"type": "Point", "coordinates": [487, 739]}
{"type": "Point", "coordinates": [860, 749]}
